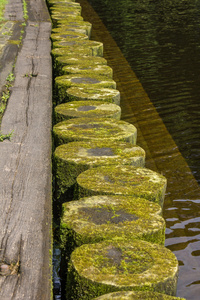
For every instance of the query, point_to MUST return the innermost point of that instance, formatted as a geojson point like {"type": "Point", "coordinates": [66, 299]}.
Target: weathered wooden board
{"type": "Point", "coordinates": [25, 169]}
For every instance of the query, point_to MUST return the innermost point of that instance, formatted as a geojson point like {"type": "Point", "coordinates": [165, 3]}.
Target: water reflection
{"type": "Point", "coordinates": [161, 42]}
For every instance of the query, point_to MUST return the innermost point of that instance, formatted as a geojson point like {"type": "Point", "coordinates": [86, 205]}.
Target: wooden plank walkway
{"type": "Point", "coordinates": [25, 168]}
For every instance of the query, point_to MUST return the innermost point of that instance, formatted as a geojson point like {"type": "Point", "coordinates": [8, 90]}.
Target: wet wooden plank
{"type": "Point", "coordinates": [25, 176]}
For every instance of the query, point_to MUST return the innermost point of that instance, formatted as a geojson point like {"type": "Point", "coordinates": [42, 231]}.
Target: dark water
{"type": "Point", "coordinates": [161, 42]}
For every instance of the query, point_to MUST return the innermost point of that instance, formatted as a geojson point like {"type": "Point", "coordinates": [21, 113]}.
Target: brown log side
{"type": "Point", "coordinates": [25, 168]}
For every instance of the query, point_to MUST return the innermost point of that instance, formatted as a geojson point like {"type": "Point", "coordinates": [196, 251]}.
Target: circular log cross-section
{"type": "Point", "coordinates": [73, 158]}
{"type": "Point", "coordinates": [109, 266]}
{"type": "Point", "coordinates": [62, 83]}
{"type": "Point", "coordinates": [74, 59]}
{"type": "Point", "coordinates": [75, 46]}
{"type": "Point", "coordinates": [65, 3]}
{"type": "Point", "coordinates": [86, 109]}
{"type": "Point", "coordinates": [99, 218]}
{"type": "Point", "coordinates": [68, 35]}
{"type": "Point", "coordinates": [93, 94]}
{"type": "Point", "coordinates": [75, 24]}
{"type": "Point", "coordinates": [86, 129]}
{"type": "Point", "coordinates": [72, 16]}
{"type": "Point", "coordinates": [122, 180]}
{"type": "Point", "coordinates": [69, 28]}
{"type": "Point", "coordinates": [84, 51]}
{"type": "Point", "coordinates": [139, 295]}
{"type": "Point", "coordinates": [101, 70]}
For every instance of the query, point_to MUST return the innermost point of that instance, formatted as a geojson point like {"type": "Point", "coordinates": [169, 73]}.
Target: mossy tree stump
{"type": "Point", "coordinates": [69, 28]}
{"type": "Point", "coordinates": [86, 109]}
{"type": "Point", "coordinates": [75, 46]}
{"type": "Point", "coordinates": [99, 218]}
{"type": "Point", "coordinates": [122, 180]}
{"type": "Point", "coordinates": [131, 295]}
{"type": "Point", "coordinates": [92, 94]}
{"type": "Point", "coordinates": [73, 158]}
{"type": "Point", "coordinates": [57, 17]}
{"type": "Point", "coordinates": [75, 24]}
{"type": "Point", "coordinates": [88, 69]}
{"type": "Point", "coordinates": [72, 59]}
{"type": "Point", "coordinates": [83, 51]}
{"type": "Point", "coordinates": [109, 266]}
{"type": "Point", "coordinates": [67, 3]}
{"type": "Point", "coordinates": [68, 35]}
{"type": "Point", "coordinates": [62, 83]}
{"type": "Point", "coordinates": [86, 129]}
{"type": "Point", "coordinates": [65, 6]}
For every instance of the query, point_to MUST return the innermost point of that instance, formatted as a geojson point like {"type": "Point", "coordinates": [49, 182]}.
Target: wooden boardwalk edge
{"type": "Point", "coordinates": [25, 169]}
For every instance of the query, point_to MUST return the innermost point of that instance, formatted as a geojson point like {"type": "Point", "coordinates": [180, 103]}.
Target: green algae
{"type": "Point", "coordinates": [73, 158]}
{"type": "Point", "coordinates": [131, 295]}
{"type": "Point", "coordinates": [92, 94]}
{"type": "Point", "coordinates": [122, 180]}
{"type": "Point", "coordinates": [86, 109]}
{"type": "Point", "coordinates": [86, 129]}
{"type": "Point", "coordinates": [120, 264]}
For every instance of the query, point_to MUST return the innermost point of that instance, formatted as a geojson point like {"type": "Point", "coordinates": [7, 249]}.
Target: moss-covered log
{"type": "Point", "coordinates": [122, 180]}
{"type": "Point", "coordinates": [72, 59]}
{"type": "Point", "coordinates": [92, 94]}
{"type": "Point", "coordinates": [62, 83]}
{"type": "Point", "coordinates": [69, 28]}
{"type": "Point", "coordinates": [86, 109]}
{"type": "Point", "coordinates": [109, 266]}
{"type": "Point", "coordinates": [131, 295]}
{"type": "Point", "coordinates": [65, 7]}
{"type": "Point", "coordinates": [99, 218]}
{"type": "Point", "coordinates": [68, 35]}
{"type": "Point", "coordinates": [85, 69]}
{"type": "Point", "coordinates": [75, 23]}
{"type": "Point", "coordinates": [71, 15]}
{"type": "Point", "coordinates": [69, 3]}
{"type": "Point", "coordinates": [86, 129]}
{"type": "Point", "coordinates": [76, 45]}
{"type": "Point", "coordinates": [92, 50]}
{"type": "Point", "coordinates": [73, 158]}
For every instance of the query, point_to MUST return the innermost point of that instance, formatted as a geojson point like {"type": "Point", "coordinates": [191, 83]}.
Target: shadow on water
{"type": "Point", "coordinates": [159, 41]}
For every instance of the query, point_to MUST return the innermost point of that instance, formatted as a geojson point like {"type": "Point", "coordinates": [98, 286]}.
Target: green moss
{"type": "Point", "coordinates": [122, 180]}
{"type": "Point", "coordinates": [87, 69]}
{"type": "Point", "coordinates": [73, 158]}
{"type": "Point", "coordinates": [56, 18]}
{"type": "Point", "coordinates": [64, 7]}
{"type": "Point", "coordinates": [89, 93]}
{"type": "Point", "coordinates": [78, 24]}
{"type": "Point", "coordinates": [85, 51]}
{"type": "Point", "coordinates": [131, 295]}
{"type": "Point", "coordinates": [62, 83]}
{"type": "Point", "coordinates": [68, 35]}
{"type": "Point", "coordinates": [120, 264]}
{"type": "Point", "coordinates": [77, 45]}
{"type": "Point", "coordinates": [67, 3]}
{"type": "Point", "coordinates": [86, 129]}
{"type": "Point", "coordinates": [72, 59]}
{"type": "Point", "coordinates": [98, 218]}
{"type": "Point", "coordinates": [69, 28]}
{"type": "Point", "coordinates": [86, 109]}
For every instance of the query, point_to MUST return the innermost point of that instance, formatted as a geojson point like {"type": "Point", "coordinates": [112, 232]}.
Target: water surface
{"type": "Point", "coordinates": [160, 42]}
